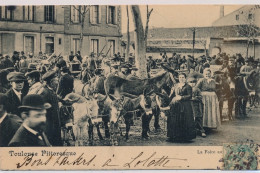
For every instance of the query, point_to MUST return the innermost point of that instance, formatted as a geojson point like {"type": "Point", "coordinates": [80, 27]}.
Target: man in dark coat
{"type": "Point", "coordinates": [230, 73]}
{"type": "Point", "coordinates": [15, 94]}
{"type": "Point", "coordinates": [79, 57]}
{"type": "Point", "coordinates": [15, 57]}
{"type": "Point", "coordinates": [30, 133]}
{"type": "Point", "coordinates": [53, 124]}
{"type": "Point", "coordinates": [71, 56]}
{"type": "Point", "coordinates": [4, 84]}
{"type": "Point", "coordinates": [66, 83]}
{"type": "Point", "coordinates": [9, 123]}
{"type": "Point", "coordinates": [6, 62]}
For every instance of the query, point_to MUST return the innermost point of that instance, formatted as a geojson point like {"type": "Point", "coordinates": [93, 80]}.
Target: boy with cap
{"type": "Point", "coordinates": [197, 106]}
{"type": "Point", "coordinates": [9, 123]}
{"type": "Point", "coordinates": [30, 133]}
{"type": "Point", "coordinates": [15, 94]}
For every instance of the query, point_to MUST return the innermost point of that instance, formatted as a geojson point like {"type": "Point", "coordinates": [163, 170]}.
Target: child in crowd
{"type": "Point", "coordinates": [197, 106]}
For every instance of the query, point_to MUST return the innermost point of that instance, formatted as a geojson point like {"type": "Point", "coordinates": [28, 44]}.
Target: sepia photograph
{"type": "Point", "coordinates": [130, 75]}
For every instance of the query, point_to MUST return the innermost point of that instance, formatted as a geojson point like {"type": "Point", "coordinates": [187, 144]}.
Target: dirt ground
{"type": "Point", "coordinates": [229, 132]}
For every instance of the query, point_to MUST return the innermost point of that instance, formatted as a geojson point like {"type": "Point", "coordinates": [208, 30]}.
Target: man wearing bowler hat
{"type": "Point", "coordinates": [53, 123]}
{"type": "Point", "coordinates": [15, 94]}
{"type": "Point", "coordinates": [66, 83]}
{"type": "Point", "coordinates": [9, 123]}
{"type": "Point", "coordinates": [31, 132]}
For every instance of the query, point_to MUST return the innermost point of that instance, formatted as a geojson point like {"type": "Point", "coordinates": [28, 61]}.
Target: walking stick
{"type": "Point", "coordinates": [108, 50]}
{"type": "Point", "coordinates": [102, 50]}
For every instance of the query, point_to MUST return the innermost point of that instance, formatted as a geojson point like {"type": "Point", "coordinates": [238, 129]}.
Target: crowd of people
{"type": "Point", "coordinates": [33, 88]}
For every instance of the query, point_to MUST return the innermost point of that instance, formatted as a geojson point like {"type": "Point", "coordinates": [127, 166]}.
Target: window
{"type": "Point", "coordinates": [94, 46]}
{"type": "Point", "coordinates": [75, 13]}
{"type": "Point", "coordinates": [95, 15]}
{"type": "Point", "coordinates": [111, 15]}
{"type": "Point", "coordinates": [29, 44]}
{"type": "Point", "coordinates": [111, 44]}
{"type": "Point", "coordinates": [49, 13]}
{"type": "Point", "coordinates": [237, 17]}
{"type": "Point", "coordinates": [6, 14]}
{"type": "Point", "coordinates": [49, 45]}
{"type": "Point", "coordinates": [28, 13]}
{"type": "Point", "coordinates": [250, 16]}
{"type": "Point", "coordinates": [75, 45]}
{"type": "Point", "coordinates": [7, 47]}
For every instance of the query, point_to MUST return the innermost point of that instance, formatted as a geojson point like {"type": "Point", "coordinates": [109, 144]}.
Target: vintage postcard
{"type": "Point", "coordinates": [129, 87]}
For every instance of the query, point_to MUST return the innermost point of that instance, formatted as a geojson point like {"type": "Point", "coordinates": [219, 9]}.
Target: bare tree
{"type": "Point", "coordinates": [128, 36]}
{"type": "Point", "coordinates": [247, 28]}
{"type": "Point", "coordinates": [140, 49]}
{"type": "Point", "coordinates": [148, 14]}
{"type": "Point", "coordinates": [82, 10]}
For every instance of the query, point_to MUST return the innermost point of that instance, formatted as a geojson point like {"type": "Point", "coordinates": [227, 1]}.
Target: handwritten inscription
{"type": "Point", "coordinates": [140, 160]}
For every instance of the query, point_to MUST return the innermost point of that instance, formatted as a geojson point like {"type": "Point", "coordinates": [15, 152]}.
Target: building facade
{"type": "Point", "coordinates": [229, 34]}
{"type": "Point", "coordinates": [60, 29]}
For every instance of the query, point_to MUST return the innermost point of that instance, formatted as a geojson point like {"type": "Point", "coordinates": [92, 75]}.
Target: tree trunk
{"type": "Point", "coordinates": [81, 34]}
{"type": "Point", "coordinates": [140, 49]}
{"type": "Point", "coordinates": [82, 24]}
{"type": "Point", "coordinates": [148, 14]}
{"type": "Point", "coordinates": [128, 37]}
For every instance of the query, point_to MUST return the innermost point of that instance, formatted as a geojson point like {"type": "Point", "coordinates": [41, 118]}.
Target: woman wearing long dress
{"type": "Point", "coordinates": [180, 121]}
{"type": "Point", "coordinates": [211, 114]}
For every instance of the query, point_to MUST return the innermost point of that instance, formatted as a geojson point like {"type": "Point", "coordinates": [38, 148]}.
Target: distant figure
{"type": "Point", "coordinates": [71, 56]}
{"type": "Point", "coordinates": [79, 56]}
{"type": "Point", "coordinates": [66, 83]}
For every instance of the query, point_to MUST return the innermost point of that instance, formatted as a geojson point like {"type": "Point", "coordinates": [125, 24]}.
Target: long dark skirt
{"type": "Point", "coordinates": [180, 122]}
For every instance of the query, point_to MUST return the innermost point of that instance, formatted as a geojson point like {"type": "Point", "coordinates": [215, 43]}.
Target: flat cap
{"type": "Point", "coordinates": [16, 76]}
{"type": "Point", "coordinates": [48, 75]}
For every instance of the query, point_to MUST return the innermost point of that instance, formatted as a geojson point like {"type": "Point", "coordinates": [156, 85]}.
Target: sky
{"type": "Point", "coordinates": [178, 16]}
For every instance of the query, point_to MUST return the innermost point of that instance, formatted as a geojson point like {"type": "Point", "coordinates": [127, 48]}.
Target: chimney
{"type": "Point", "coordinates": [221, 12]}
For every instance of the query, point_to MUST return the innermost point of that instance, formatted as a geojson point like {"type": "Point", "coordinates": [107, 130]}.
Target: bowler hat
{"type": "Point", "coordinates": [48, 75]}
{"type": "Point", "coordinates": [34, 101]}
{"type": "Point", "coordinates": [16, 76]}
{"type": "Point", "coordinates": [33, 73]}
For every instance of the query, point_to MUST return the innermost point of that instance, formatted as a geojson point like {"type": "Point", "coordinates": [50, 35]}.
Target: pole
{"type": "Point", "coordinates": [40, 38]}
{"type": "Point", "coordinates": [102, 50]}
{"type": "Point", "coordinates": [193, 41]}
{"type": "Point", "coordinates": [108, 50]}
